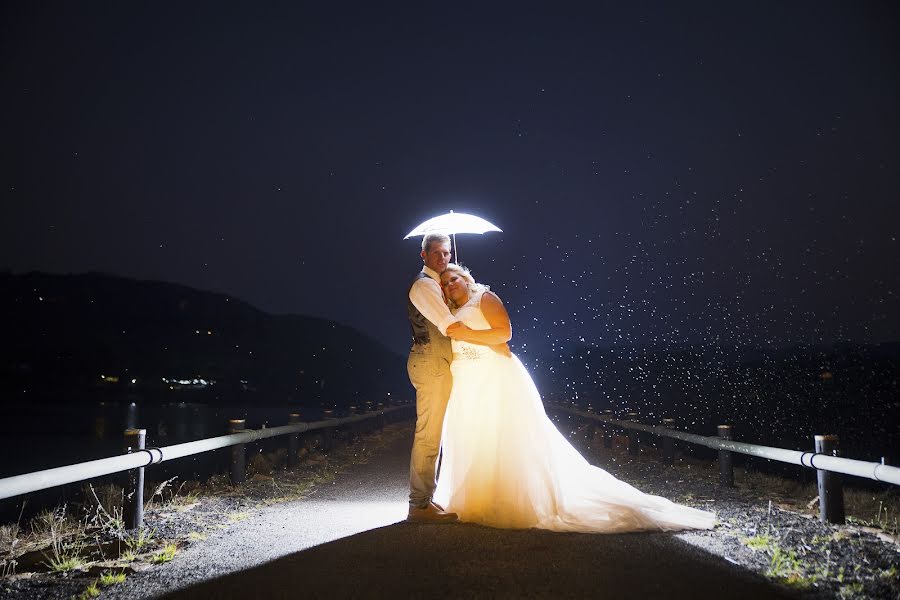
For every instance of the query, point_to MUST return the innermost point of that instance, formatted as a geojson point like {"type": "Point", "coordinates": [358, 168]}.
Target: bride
{"type": "Point", "coordinates": [504, 462]}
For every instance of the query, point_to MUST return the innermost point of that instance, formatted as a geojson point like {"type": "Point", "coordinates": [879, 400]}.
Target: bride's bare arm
{"type": "Point", "coordinates": [496, 315]}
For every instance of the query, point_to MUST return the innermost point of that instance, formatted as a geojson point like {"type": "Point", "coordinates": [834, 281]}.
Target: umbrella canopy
{"type": "Point", "coordinates": [451, 224]}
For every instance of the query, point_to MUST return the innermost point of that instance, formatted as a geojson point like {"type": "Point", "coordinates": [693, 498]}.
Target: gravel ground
{"type": "Point", "coordinates": [280, 515]}
{"type": "Point", "coordinates": [211, 526]}
{"type": "Point", "coordinates": [767, 523]}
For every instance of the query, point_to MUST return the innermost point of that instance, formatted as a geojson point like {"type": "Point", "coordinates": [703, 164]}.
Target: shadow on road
{"type": "Point", "coordinates": [405, 560]}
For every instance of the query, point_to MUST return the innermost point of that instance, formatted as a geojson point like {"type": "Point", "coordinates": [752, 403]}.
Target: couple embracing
{"type": "Point", "coordinates": [504, 464]}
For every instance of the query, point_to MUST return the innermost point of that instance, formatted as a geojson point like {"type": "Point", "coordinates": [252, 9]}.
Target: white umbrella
{"type": "Point", "coordinates": [451, 224]}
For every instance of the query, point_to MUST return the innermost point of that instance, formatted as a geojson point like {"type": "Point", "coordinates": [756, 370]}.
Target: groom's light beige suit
{"type": "Point", "coordinates": [429, 372]}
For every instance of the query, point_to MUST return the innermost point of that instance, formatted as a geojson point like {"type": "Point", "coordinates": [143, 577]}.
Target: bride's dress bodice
{"type": "Point", "coordinates": [471, 316]}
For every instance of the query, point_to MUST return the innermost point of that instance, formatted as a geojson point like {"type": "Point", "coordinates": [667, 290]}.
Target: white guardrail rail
{"type": "Point", "coordinates": [144, 457]}
{"type": "Point", "coordinates": [824, 460]}
{"type": "Point", "coordinates": [812, 460]}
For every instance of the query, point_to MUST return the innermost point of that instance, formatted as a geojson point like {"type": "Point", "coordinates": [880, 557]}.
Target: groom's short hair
{"type": "Point", "coordinates": [442, 238]}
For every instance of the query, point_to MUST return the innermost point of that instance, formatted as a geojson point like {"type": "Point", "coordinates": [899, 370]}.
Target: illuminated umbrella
{"type": "Point", "coordinates": [451, 224]}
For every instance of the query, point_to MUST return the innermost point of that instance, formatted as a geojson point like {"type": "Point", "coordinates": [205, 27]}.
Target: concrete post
{"type": "Point", "coordinates": [668, 443]}
{"type": "Point", "coordinates": [607, 430]}
{"type": "Point", "coordinates": [238, 454]}
{"type": "Point", "coordinates": [831, 489]}
{"type": "Point", "coordinates": [726, 467]}
{"type": "Point", "coordinates": [633, 440]}
{"type": "Point", "coordinates": [328, 432]}
{"type": "Point", "coordinates": [293, 442]}
{"type": "Point", "coordinates": [133, 509]}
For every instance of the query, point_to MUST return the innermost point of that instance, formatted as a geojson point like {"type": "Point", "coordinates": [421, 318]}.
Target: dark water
{"type": "Point", "coordinates": [782, 398]}
{"type": "Point", "coordinates": [34, 437]}
{"type": "Point", "coordinates": [42, 436]}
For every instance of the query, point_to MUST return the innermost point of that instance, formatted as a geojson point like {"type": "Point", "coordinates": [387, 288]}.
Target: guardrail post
{"type": "Point", "coordinates": [133, 509]}
{"type": "Point", "coordinates": [668, 443]}
{"type": "Point", "coordinates": [361, 428]}
{"type": "Point", "coordinates": [831, 490]}
{"type": "Point", "coordinates": [352, 430]}
{"type": "Point", "coordinates": [238, 455]}
{"type": "Point", "coordinates": [365, 426]}
{"type": "Point", "coordinates": [593, 426]}
{"type": "Point", "coordinates": [371, 424]}
{"type": "Point", "coordinates": [327, 432]}
{"type": "Point", "coordinates": [607, 430]}
{"type": "Point", "coordinates": [293, 442]}
{"type": "Point", "coordinates": [726, 468]}
{"type": "Point", "coordinates": [632, 435]}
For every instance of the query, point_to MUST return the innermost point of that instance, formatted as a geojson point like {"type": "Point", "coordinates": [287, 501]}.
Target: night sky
{"type": "Point", "coordinates": [664, 174]}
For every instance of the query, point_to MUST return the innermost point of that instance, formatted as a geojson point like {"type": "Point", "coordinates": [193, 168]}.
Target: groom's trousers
{"type": "Point", "coordinates": [429, 372]}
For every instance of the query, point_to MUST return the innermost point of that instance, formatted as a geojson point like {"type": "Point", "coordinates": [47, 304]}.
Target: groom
{"type": "Point", "coordinates": [429, 371]}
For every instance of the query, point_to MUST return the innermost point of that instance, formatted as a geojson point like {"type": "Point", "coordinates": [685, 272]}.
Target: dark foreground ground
{"type": "Point", "coordinates": [345, 537]}
{"type": "Point", "coordinates": [404, 560]}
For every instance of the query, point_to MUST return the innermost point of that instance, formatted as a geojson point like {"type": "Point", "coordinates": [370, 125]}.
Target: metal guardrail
{"type": "Point", "coordinates": [824, 459]}
{"type": "Point", "coordinates": [139, 457]}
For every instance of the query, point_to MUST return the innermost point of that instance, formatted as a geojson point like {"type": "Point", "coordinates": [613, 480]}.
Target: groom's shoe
{"type": "Point", "coordinates": [430, 514]}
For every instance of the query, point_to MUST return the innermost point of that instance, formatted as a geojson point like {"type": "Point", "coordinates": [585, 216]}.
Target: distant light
{"type": "Point", "coordinates": [133, 381]}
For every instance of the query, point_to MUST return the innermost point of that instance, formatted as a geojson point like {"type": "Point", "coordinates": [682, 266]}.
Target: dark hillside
{"type": "Point", "coordinates": [65, 333]}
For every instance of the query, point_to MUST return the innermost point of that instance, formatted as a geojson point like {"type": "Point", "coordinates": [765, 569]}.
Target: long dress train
{"type": "Point", "coordinates": [506, 465]}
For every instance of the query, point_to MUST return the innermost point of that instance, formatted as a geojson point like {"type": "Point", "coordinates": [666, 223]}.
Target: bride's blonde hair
{"type": "Point", "coordinates": [463, 272]}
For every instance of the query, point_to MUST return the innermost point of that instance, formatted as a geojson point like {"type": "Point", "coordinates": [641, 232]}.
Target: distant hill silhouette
{"type": "Point", "coordinates": [61, 333]}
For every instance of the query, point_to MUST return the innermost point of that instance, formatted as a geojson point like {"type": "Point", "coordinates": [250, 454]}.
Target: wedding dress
{"type": "Point", "coordinates": [506, 465]}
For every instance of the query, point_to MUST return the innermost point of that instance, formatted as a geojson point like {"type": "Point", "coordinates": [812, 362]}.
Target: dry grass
{"type": "Point", "coordinates": [9, 539]}
{"type": "Point", "coordinates": [107, 497]}
{"type": "Point", "coordinates": [92, 533]}
{"type": "Point", "coordinates": [266, 463]}
{"type": "Point", "coordinates": [67, 541]}
{"type": "Point", "coordinates": [106, 512]}
{"type": "Point", "coordinates": [880, 509]}
{"type": "Point", "coordinates": [9, 535]}
{"type": "Point", "coordinates": [776, 487]}
{"type": "Point", "coordinates": [54, 522]}
{"type": "Point", "coordinates": [870, 507]}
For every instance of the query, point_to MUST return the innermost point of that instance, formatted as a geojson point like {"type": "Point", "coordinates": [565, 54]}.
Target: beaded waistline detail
{"type": "Point", "coordinates": [468, 353]}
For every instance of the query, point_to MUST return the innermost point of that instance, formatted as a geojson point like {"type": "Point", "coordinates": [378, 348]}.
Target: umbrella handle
{"type": "Point", "coordinates": [455, 248]}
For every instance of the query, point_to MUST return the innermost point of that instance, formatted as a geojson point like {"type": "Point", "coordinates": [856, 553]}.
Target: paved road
{"type": "Point", "coordinates": [348, 540]}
